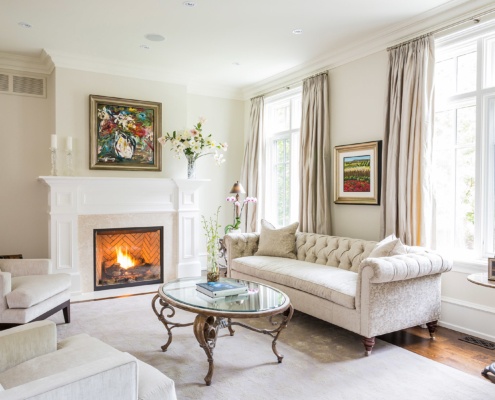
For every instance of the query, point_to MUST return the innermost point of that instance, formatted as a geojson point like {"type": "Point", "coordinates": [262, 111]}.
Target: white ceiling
{"type": "Point", "coordinates": [204, 43]}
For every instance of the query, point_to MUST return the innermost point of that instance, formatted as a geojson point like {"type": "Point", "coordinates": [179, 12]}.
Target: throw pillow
{"type": "Point", "coordinates": [277, 242]}
{"type": "Point", "coordinates": [390, 246]}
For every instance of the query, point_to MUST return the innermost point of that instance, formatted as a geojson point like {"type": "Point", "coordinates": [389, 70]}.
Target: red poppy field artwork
{"type": "Point", "coordinates": [357, 174]}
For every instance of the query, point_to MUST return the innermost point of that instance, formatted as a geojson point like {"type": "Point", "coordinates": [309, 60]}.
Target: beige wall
{"type": "Point", "coordinates": [25, 134]}
{"type": "Point", "coordinates": [26, 125]}
{"type": "Point", "coordinates": [358, 92]}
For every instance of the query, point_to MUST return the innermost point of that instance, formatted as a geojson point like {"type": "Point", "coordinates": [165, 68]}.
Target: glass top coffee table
{"type": "Point", "coordinates": [214, 313]}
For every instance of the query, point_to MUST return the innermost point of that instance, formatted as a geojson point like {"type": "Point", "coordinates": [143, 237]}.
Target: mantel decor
{"type": "Point", "coordinates": [357, 177]}
{"type": "Point", "coordinates": [124, 134]}
{"type": "Point", "coordinates": [193, 143]}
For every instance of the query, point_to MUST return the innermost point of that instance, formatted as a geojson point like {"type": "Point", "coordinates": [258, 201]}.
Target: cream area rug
{"type": "Point", "coordinates": [321, 360]}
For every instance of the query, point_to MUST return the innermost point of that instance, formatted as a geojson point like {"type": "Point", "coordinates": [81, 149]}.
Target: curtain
{"type": "Point", "coordinates": [314, 196]}
{"type": "Point", "coordinates": [250, 172]}
{"type": "Point", "coordinates": [406, 194]}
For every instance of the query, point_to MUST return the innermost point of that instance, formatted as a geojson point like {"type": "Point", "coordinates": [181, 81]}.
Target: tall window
{"type": "Point", "coordinates": [282, 131]}
{"type": "Point", "coordinates": [463, 143]}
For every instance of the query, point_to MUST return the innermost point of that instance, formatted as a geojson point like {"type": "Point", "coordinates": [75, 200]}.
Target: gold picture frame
{"type": "Point", "coordinates": [491, 269]}
{"type": "Point", "coordinates": [357, 173]}
{"type": "Point", "coordinates": [124, 134]}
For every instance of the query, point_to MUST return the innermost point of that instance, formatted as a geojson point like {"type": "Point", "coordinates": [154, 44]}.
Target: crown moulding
{"type": "Point", "coordinates": [421, 24]}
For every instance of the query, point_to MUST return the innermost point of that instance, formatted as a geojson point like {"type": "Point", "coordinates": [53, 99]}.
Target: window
{"type": "Point", "coordinates": [282, 131]}
{"type": "Point", "coordinates": [464, 143]}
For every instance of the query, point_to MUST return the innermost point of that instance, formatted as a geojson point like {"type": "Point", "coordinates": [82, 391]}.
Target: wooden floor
{"type": "Point", "coordinates": [446, 349]}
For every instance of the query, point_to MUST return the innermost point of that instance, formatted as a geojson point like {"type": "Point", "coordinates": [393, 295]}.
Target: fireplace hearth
{"type": "Point", "coordinates": [126, 257]}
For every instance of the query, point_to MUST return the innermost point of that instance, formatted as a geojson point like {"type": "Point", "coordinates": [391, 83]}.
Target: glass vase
{"type": "Point", "coordinates": [212, 270]}
{"type": "Point", "coordinates": [191, 166]}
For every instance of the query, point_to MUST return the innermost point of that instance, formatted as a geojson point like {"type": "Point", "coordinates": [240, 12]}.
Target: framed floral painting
{"type": "Point", "coordinates": [357, 173]}
{"type": "Point", "coordinates": [124, 134]}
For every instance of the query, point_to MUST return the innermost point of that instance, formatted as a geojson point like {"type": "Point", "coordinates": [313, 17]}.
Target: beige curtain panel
{"type": "Point", "coordinates": [314, 214]}
{"type": "Point", "coordinates": [406, 194]}
{"type": "Point", "coordinates": [250, 173]}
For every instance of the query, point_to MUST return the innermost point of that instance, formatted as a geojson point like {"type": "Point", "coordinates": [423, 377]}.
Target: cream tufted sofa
{"type": "Point", "coordinates": [332, 279]}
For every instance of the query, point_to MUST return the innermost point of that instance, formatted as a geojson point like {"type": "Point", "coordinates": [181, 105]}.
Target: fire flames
{"type": "Point", "coordinates": [124, 259]}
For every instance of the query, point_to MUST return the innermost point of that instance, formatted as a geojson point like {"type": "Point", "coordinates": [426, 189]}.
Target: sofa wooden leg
{"type": "Point", "coordinates": [66, 312]}
{"type": "Point", "coordinates": [368, 345]}
{"type": "Point", "coordinates": [432, 327]}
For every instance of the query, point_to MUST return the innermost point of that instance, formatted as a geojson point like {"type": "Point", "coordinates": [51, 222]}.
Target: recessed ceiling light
{"type": "Point", "coordinates": [236, 64]}
{"type": "Point", "coordinates": [154, 37]}
{"type": "Point", "coordinates": [189, 4]}
{"type": "Point", "coordinates": [297, 31]}
{"type": "Point", "coordinates": [25, 25]}
{"type": "Point", "coordinates": [144, 46]}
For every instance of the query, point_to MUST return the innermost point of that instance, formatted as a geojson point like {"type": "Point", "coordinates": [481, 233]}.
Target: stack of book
{"type": "Point", "coordinates": [221, 289]}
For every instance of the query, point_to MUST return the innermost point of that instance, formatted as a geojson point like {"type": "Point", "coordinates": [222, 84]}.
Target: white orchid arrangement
{"type": "Point", "coordinates": [194, 144]}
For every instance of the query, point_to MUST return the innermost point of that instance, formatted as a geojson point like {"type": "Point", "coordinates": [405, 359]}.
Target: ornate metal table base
{"type": "Point", "coordinates": [206, 329]}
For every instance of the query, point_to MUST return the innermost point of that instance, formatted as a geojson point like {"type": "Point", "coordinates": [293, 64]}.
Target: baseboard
{"type": "Point", "coordinates": [469, 318]}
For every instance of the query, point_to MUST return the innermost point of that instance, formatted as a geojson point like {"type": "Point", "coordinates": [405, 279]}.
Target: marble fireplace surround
{"type": "Point", "coordinates": [78, 205]}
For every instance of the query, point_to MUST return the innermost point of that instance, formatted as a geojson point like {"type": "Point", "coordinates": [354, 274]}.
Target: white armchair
{"type": "Point", "coordinates": [33, 366]}
{"type": "Point", "coordinates": [28, 292]}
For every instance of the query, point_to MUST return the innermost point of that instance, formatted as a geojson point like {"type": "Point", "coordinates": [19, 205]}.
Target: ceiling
{"type": "Point", "coordinates": [227, 43]}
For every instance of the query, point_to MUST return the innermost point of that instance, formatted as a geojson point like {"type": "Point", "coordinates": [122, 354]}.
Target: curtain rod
{"type": "Point", "coordinates": [288, 86]}
{"type": "Point", "coordinates": [475, 18]}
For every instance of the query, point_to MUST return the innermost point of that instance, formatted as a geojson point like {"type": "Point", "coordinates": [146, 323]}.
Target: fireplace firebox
{"type": "Point", "coordinates": [126, 257]}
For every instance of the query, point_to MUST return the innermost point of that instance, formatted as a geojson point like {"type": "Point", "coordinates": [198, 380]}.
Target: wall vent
{"type": "Point", "coordinates": [22, 85]}
{"type": "Point", "coordinates": [4, 83]}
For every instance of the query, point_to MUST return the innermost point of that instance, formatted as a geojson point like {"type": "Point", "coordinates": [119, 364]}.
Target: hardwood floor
{"type": "Point", "coordinates": [446, 349]}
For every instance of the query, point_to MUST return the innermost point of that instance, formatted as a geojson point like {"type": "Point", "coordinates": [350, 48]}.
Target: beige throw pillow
{"type": "Point", "coordinates": [390, 246]}
{"type": "Point", "coordinates": [277, 242]}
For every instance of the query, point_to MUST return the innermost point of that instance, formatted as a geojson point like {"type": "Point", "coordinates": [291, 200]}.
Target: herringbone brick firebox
{"type": "Point", "coordinates": [128, 257]}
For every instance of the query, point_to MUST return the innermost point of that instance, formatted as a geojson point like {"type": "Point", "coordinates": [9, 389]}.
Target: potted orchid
{"type": "Point", "coordinates": [238, 208]}
{"type": "Point", "coordinates": [193, 143]}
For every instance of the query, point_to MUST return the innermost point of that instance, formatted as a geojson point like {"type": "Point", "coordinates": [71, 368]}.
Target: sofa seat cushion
{"type": "Point", "coordinates": [334, 284]}
{"type": "Point", "coordinates": [30, 290]}
{"type": "Point", "coordinates": [72, 352]}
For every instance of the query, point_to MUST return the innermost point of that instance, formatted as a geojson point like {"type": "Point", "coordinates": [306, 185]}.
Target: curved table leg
{"type": "Point", "coordinates": [206, 332]}
{"type": "Point", "coordinates": [163, 319]}
{"type": "Point", "coordinates": [287, 316]}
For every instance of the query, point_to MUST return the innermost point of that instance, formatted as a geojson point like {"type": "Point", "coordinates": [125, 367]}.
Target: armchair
{"type": "Point", "coordinates": [34, 366]}
{"type": "Point", "coordinates": [28, 292]}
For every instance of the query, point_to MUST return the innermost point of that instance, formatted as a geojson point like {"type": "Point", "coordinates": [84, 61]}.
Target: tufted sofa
{"type": "Point", "coordinates": [333, 279]}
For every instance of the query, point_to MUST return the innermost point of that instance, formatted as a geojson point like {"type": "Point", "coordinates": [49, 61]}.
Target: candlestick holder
{"type": "Point", "coordinates": [54, 161]}
{"type": "Point", "coordinates": [69, 162]}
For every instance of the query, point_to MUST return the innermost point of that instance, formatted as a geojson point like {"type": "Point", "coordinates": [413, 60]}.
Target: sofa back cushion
{"type": "Point", "coordinates": [336, 251]}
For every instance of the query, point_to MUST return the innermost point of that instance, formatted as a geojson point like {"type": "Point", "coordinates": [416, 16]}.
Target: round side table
{"type": "Point", "coordinates": [482, 280]}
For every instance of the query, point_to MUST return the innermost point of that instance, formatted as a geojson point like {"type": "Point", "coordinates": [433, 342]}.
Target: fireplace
{"type": "Point", "coordinates": [126, 257]}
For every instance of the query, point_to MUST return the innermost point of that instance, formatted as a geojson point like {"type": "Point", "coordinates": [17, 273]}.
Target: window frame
{"type": "Point", "coordinates": [484, 97]}
{"type": "Point", "coordinates": [269, 209]}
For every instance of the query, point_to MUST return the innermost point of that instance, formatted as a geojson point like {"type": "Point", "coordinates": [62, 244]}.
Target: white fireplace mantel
{"type": "Point", "coordinates": [129, 201]}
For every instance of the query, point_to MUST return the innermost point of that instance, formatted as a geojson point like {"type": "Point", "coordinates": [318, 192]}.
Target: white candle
{"type": "Point", "coordinates": [54, 142]}
{"type": "Point", "coordinates": [69, 144]}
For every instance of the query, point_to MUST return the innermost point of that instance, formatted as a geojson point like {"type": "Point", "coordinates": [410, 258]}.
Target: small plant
{"type": "Point", "coordinates": [238, 211]}
{"type": "Point", "coordinates": [210, 228]}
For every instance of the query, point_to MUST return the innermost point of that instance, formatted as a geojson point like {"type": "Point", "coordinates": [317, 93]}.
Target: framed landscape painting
{"type": "Point", "coordinates": [357, 173]}
{"type": "Point", "coordinates": [124, 134]}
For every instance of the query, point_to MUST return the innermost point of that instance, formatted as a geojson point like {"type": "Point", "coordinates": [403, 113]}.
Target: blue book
{"type": "Point", "coordinates": [220, 289]}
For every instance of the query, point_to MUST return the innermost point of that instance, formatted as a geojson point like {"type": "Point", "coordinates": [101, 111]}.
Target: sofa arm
{"type": "Point", "coordinates": [25, 342]}
{"type": "Point", "coordinates": [240, 245]}
{"type": "Point", "coordinates": [403, 267]}
{"type": "Point", "coordinates": [23, 267]}
{"type": "Point", "coordinates": [109, 378]}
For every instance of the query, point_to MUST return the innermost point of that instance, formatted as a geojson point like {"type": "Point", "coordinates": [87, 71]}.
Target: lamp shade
{"type": "Point", "coordinates": [237, 188]}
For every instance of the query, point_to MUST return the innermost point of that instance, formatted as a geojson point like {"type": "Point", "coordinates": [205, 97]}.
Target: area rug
{"type": "Point", "coordinates": [321, 361]}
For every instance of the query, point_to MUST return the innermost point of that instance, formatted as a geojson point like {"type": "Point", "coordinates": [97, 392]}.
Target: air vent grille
{"type": "Point", "coordinates": [22, 85]}
{"type": "Point", "coordinates": [4, 83]}
{"type": "Point", "coordinates": [27, 85]}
